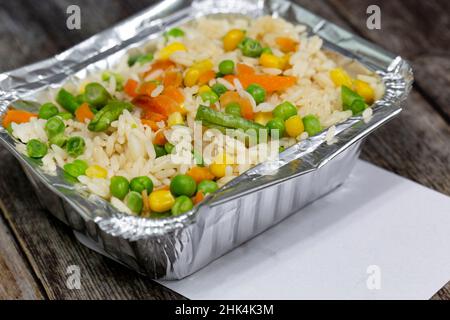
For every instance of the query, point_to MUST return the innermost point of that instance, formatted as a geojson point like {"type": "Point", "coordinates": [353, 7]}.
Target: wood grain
{"type": "Point", "coordinates": [415, 145]}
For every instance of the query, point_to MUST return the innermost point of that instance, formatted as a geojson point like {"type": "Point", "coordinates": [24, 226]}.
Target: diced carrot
{"type": "Point", "coordinates": [172, 78]}
{"type": "Point", "coordinates": [232, 96]}
{"type": "Point", "coordinates": [198, 197]}
{"type": "Point", "coordinates": [147, 88]}
{"type": "Point", "coordinates": [152, 124]}
{"type": "Point", "coordinates": [174, 93]}
{"type": "Point", "coordinates": [150, 115]}
{"type": "Point", "coordinates": [83, 112]}
{"type": "Point", "coordinates": [131, 87]}
{"type": "Point", "coordinates": [243, 68]}
{"type": "Point", "coordinates": [286, 44]}
{"type": "Point", "coordinates": [268, 82]}
{"type": "Point", "coordinates": [230, 78]}
{"type": "Point", "coordinates": [246, 109]}
{"type": "Point", "coordinates": [159, 65]}
{"type": "Point", "coordinates": [229, 97]}
{"type": "Point", "coordinates": [17, 116]}
{"type": "Point", "coordinates": [200, 173]}
{"type": "Point", "coordinates": [160, 138]}
{"type": "Point", "coordinates": [161, 104]}
{"type": "Point", "coordinates": [205, 77]}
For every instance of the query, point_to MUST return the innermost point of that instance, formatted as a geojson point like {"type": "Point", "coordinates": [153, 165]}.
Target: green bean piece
{"type": "Point", "coordinates": [140, 58]}
{"type": "Point", "coordinates": [169, 147]}
{"type": "Point", "coordinates": [59, 139]}
{"type": "Point", "coordinates": [96, 95]}
{"type": "Point", "coordinates": [209, 97]}
{"type": "Point", "coordinates": [81, 98]}
{"type": "Point", "coordinates": [48, 110]}
{"type": "Point", "coordinates": [119, 187]}
{"type": "Point", "coordinates": [67, 100]}
{"type": "Point", "coordinates": [219, 89]}
{"type": "Point", "coordinates": [54, 126]}
{"type": "Point", "coordinates": [140, 184]}
{"type": "Point", "coordinates": [312, 125]}
{"type": "Point", "coordinates": [75, 146]}
{"type": "Point", "coordinates": [207, 186]}
{"type": "Point", "coordinates": [285, 110]}
{"type": "Point", "coordinates": [76, 168]}
{"type": "Point", "coordinates": [352, 101]}
{"type": "Point", "coordinates": [135, 202]}
{"type": "Point", "coordinates": [159, 150]}
{"type": "Point", "coordinates": [174, 32]}
{"type": "Point", "coordinates": [182, 204]}
{"type": "Point", "coordinates": [250, 48]}
{"type": "Point", "coordinates": [106, 76]}
{"type": "Point", "coordinates": [36, 149]}
{"type": "Point", "coordinates": [111, 112]}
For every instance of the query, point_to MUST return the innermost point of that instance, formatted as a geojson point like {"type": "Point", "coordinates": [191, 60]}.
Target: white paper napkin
{"type": "Point", "coordinates": [379, 236]}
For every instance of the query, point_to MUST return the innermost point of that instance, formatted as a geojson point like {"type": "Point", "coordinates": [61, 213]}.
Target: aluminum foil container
{"type": "Point", "coordinates": [174, 248]}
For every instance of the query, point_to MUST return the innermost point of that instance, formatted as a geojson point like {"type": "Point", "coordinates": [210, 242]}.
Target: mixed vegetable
{"type": "Point", "coordinates": [222, 109]}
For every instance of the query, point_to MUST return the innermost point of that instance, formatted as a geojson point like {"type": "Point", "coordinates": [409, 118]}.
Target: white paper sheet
{"type": "Point", "coordinates": [379, 236]}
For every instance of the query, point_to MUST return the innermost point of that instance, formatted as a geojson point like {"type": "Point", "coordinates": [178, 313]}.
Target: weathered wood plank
{"type": "Point", "coordinates": [417, 30]}
{"type": "Point", "coordinates": [16, 280]}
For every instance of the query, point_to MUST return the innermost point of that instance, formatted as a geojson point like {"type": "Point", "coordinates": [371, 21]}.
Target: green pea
{"type": "Point", "coordinates": [168, 147]}
{"type": "Point", "coordinates": [233, 108]}
{"type": "Point", "coordinates": [175, 33]}
{"type": "Point", "coordinates": [159, 150]}
{"type": "Point", "coordinates": [267, 50]}
{"type": "Point", "coordinates": [219, 89]}
{"type": "Point", "coordinates": [59, 139]}
{"type": "Point", "coordinates": [119, 187]}
{"type": "Point", "coordinates": [276, 124]}
{"type": "Point", "coordinates": [281, 149]}
{"type": "Point", "coordinates": [209, 96]}
{"type": "Point", "coordinates": [140, 184]}
{"type": "Point", "coordinates": [140, 58]}
{"type": "Point", "coordinates": [76, 168]}
{"type": "Point", "coordinates": [226, 67]}
{"type": "Point", "coordinates": [65, 115]}
{"type": "Point", "coordinates": [48, 110]}
{"type": "Point", "coordinates": [75, 146]}
{"type": "Point", "coordinates": [182, 204]}
{"type": "Point", "coordinates": [96, 95]}
{"type": "Point", "coordinates": [54, 126]}
{"type": "Point", "coordinates": [312, 125]}
{"type": "Point", "coordinates": [258, 93]}
{"type": "Point", "coordinates": [36, 149]}
{"type": "Point", "coordinates": [250, 48]}
{"type": "Point", "coordinates": [183, 185]}
{"type": "Point", "coordinates": [285, 110]}
{"type": "Point", "coordinates": [207, 186]}
{"type": "Point", "coordinates": [135, 202]}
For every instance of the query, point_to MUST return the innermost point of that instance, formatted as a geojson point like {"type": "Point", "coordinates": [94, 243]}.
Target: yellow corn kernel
{"type": "Point", "coordinates": [175, 119]}
{"type": "Point", "coordinates": [364, 90]}
{"type": "Point", "coordinates": [284, 61]}
{"type": "Point", "coordinates": [161, 201]}
{"type": "Point", "coordinates": [263, 117]}
{"type": "Point", "coordinates": [340, 78]}
{"type": "Point", "coordinates": [294, 126]}
{"type": "Point", "coordinates": [218, 170]}
{"type": "Point", "coordinates": [167, 51]}
{"type": "Point", "coordinates": [268, 60]}
{"type": "Point", "coordinates": [96, 171]}
{"type": "Point", "coordinates": [232, 39]}
{"type": "Point", "coordinates": [183, 110]}
{"type": "Point", "coordinates": [203, 89]}
{"type": "Point", "coordinates": [203, 66]}
{"type": "Point", "coordinates": [191, 77]}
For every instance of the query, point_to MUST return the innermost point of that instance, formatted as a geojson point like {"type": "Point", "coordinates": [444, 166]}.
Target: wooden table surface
{"type": "Point", "coordinates": [36, 249]}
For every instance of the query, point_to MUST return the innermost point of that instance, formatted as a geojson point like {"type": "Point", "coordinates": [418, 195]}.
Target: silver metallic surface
{"type": "Point", "coordinates": [175, 247]}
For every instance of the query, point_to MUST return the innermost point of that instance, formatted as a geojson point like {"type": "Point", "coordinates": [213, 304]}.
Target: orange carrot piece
{"type": "Point", "coordinates": [131, 87]}
{"type": "Point", "coordinates": [286, 44]}
{"type": "Point", "coordinates": [246, 109]}
{"type": "Point", "coordinates": [17, 116]}
{"type": "Point", "coordinates": [160, 138]}
{"type": "Point", "coordinates": [198, 197]}
{"type": "Point", "coordinates": [161, 104]}
{"type": "Point", "coordinates": [243, 68]}
{"type": "Point", "coordinates": [159, 65]}
{"type": "Point", "coordinates": [157, 117]}
{"type": "Point", "coordinates": [268, 82]}
{"type": "Point", "coordinates": [83, 112]}
{"type": "Point", "coordinates": [200, 173]}
{"type": "Point", "coordinates": [229, 97]}
{"type": "Point", "coordinates": [205, 77]}
{"type": "Point", "coordinates": [152, 124]}
{"type": "Point", "coordinates": [172, 78]}
{"type": "Point", "coordinates": [174, 93]}
{"type": "Point", "coordinates": [147, 88]}
{"type": "Point", "coordinates": [230, 78]}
